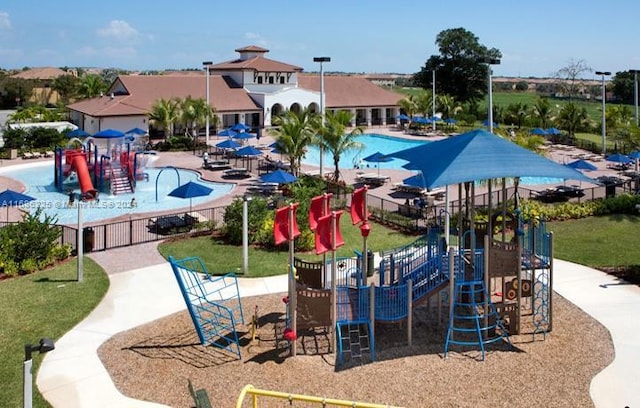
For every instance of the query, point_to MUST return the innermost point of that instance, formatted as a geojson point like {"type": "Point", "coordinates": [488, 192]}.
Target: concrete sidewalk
{"type": "Point", "coordinates": [73, 376]}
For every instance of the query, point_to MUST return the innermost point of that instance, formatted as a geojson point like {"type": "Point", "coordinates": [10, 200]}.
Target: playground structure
{"type": "Point", "coordinates": [485, 292]}
{"type": "Point", "coordinates": [213, 303]}
{"type": "Point", "coordinates": [113, 164]}
{"type": "Point", "coordinates": [487, 287]}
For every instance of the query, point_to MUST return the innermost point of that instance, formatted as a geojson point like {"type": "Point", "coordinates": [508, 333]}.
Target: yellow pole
{"type": "Point", "coordinates": [255, 393]}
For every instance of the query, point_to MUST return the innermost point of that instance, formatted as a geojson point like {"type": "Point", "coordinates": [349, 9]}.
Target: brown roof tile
{"type": "Point", "coordinates": [144, 90]}
{"type": "Point", "coordinates": [257, 63]}
{"type": "Point", "coordinates": [41, 73]}
{"type": "Point", "coordinates": [343, 91]}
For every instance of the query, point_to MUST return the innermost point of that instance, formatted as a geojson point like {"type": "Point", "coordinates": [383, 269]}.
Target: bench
{"type": "Point", "coordinates": [167, 224]}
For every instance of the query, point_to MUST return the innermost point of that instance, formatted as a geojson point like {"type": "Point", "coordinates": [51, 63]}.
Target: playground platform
{"type": "Point", "coordinates": [73, 376]}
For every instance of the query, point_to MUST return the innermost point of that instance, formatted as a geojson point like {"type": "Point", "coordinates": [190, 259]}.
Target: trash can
{"type": "Point", "coordinates": [88, 236]}
{"type": "Point", "coordinates": [610, 190]}
{"type": "Point", "coordinates": [370, 265]}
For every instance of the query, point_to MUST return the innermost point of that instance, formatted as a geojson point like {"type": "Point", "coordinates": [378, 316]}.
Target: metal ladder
{"type": "Point", "coordinates": [468, 323]}
{"type": "Point", "coordinates": [354, 340]}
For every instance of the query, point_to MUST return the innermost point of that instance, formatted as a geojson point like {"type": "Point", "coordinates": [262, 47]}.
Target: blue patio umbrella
{"type": "Point", "coordinates": [243, 136]}
{"type": "Point", "coordinates": [190, 190]}
{"type": "Point", "coordinates": [634, 155]}
{"type": "Point", "coordinates": [136, 131]}
{"type": "Point", "coordinates": [538, 131]}
{"type": "Point", "coordinates": [240, 127]}
{"type": "Point", "coordinates": [248, 151]}
{"type": "Point", "coordinates": [278, 176]}
{"type": "Point", "coordinates": [227, 132]}
{"type": "Point", "coordinates": [402, 116]}
{"type": "Point", "coordinates": [581, 165]}
{"type": "Point", "coordinates": [422, 120]}
{"type": "Point", "coordinates": [378, 158]}
{"type": "Point", "coordinates": [78, 133]}
{"type": "Point", "coordinates": [486, 123]}
{"type": "Point", "coordinates": [554, 131]}
{"type": "Point", "coordinates": [10, 198]}
{"type": "Point", "coordinates": [109, 134]}
{"type": "Point", "coordinates": [480, 155]}
{"type": "Point", "coordinates": [619, 158]}
{"type": "Point", "coordinates": [450, 121]}
{"type": "Point", "coordinates": [228, 144]}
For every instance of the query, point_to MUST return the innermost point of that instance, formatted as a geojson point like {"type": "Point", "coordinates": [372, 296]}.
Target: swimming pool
{"type": "Point", "coordinates": [373, 143]}
{"type": "Point", "coordinates": [39, 181]}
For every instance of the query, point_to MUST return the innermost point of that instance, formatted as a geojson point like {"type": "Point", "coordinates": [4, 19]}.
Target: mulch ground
{"type": "Point", "coordinates": [154, 362]}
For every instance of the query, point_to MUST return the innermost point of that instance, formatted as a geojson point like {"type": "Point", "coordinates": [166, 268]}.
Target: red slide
{"type": "Point", "coordinates": [79, 164]}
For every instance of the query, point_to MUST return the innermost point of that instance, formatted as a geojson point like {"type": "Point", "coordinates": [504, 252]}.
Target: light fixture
{"type": "Point", "coordinates": [635, 93]}
{"type": "Point", "coordinates": [489, 62]}
{"type": "Point", "coordinates": [321, 60]}
{"type": "Point", "coordinates": [207, 65]}
{"type": "Point", "coordinates": [604, 116]}
{"type": "Point", "coordinates": [44, 345]}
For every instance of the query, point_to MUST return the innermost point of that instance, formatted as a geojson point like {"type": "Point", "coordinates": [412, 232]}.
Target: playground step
{"type": "Point", "coordinates": [120, 185]}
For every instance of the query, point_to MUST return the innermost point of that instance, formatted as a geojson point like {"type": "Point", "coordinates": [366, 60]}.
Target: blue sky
{"type": "Point", "coordinates": [536, 38]}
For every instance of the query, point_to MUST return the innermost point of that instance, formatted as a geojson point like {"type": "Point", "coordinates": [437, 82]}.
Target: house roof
{"type": "Point", "coordinates": [349, 91]}
{"type": "Point", "coordinates": [142, 91]}
{"type": "Point", "coordinates": [251, 48]}
{"type": "Point", "coordinates": [256, 63]}
{"type": "Point", "coordinates": [41, 73]}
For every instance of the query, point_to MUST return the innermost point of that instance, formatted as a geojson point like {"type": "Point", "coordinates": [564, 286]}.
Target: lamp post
{"type": "Point", "coordinates": [635, 93]}
{"type": "Point", "coordinates": [321, 60]}
{"type": "Point", "coordinates": [489, 62]}
{"type": "Point", "coordinates": [45, 345]}
{"type": "Point", "coordinates": [433, 99]}
{"type": "Point", "coordinates": [604, 116]}
{"type": "Point", "coordinates": [206, 65]}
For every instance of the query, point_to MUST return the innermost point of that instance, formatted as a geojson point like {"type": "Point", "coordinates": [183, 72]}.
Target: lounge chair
{"type": "Point", "coordinates": [27, 155]}
{"type": "Point", "coordinates": [217, 165]}
{"type": "Point", "coordinates": [238, 172]}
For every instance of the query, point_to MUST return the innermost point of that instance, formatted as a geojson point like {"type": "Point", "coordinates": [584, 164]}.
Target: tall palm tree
{"type": "Point", "coordinates": [572, 118]}
{"type": "Point", "coordinates": [90, 86]}
{"type": "Point", "coordinates": [410, 106]}
{"type": "Point", "coordinates": [543, 111]}
{"type": "Point", "coordinates": [193, 115]}
{"type": "Point", "coordinates": [164, 113]}
{"type": "Point", "coordinates": [447, 105]}
{"type": "Point", "coordinates": [335, 139]}
{"type": "Point", "coordinates": [293, 133]}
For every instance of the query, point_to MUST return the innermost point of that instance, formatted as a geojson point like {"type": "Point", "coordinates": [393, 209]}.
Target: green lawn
{"type": "Point", "coordinates": [43, 304]}
{"type": "Point", "coordinates": [220, 258]}
{"type": "Point", "coordinates": [607, 241]}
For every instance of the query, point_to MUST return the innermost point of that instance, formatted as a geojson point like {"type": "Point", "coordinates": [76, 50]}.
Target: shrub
{"type": "Point", "coordinates": [61, 252]}
{"type": "Point", "coordinates": [33, 239]}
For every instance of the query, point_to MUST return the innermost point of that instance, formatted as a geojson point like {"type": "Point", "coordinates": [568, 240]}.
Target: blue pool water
{"type": "Point", "coordinates": [373, 143]}
{"type": "Point", "coordinates": [39, 181]}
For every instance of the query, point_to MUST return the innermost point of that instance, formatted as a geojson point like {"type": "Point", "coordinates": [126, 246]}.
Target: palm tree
{"type": "Point", "coordinates": [447, 105]}
{"type": "Point", "coordinates": [542, 110]}
{"type": "Point", "coordinates": [193, 115]}
{"type": "Point", "coordinates": [410, 106]}
{"type": "Point", "coordinates": [164, 114]}
{"type": "Point", "coordinates": [517, 113]}
{"type": "Point", "coordinates": [90, 86]}
{"type": "Point", "coordinates": [335, 139]}
{"type": "Point", "coordinates": [572, 118]}
{"type": "Point", "coordinates": [293, 133]}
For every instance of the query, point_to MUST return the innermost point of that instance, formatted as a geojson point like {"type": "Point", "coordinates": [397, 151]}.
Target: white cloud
{"type": "Point", "coordinates": [255, 38]}
{"type": "Point", "coordinates": [86, 51]}
{"type": "Point", "coordinates": [119, 30]}
{"type": "Point", "coordinates": [5, 23]}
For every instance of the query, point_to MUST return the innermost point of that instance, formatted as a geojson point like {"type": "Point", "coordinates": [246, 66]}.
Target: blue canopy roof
{"type": "Point", "coordinates": [109, 134]}
{"type": "Point", "coordinates": [480, 155]}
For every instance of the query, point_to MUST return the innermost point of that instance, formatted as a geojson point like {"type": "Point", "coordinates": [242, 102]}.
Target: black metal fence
{"type": "Point", "coordinates": [406, 217]}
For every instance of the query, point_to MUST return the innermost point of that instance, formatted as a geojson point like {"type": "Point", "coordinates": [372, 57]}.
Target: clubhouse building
{"type": "Point", "coordinates": [251, 89]}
